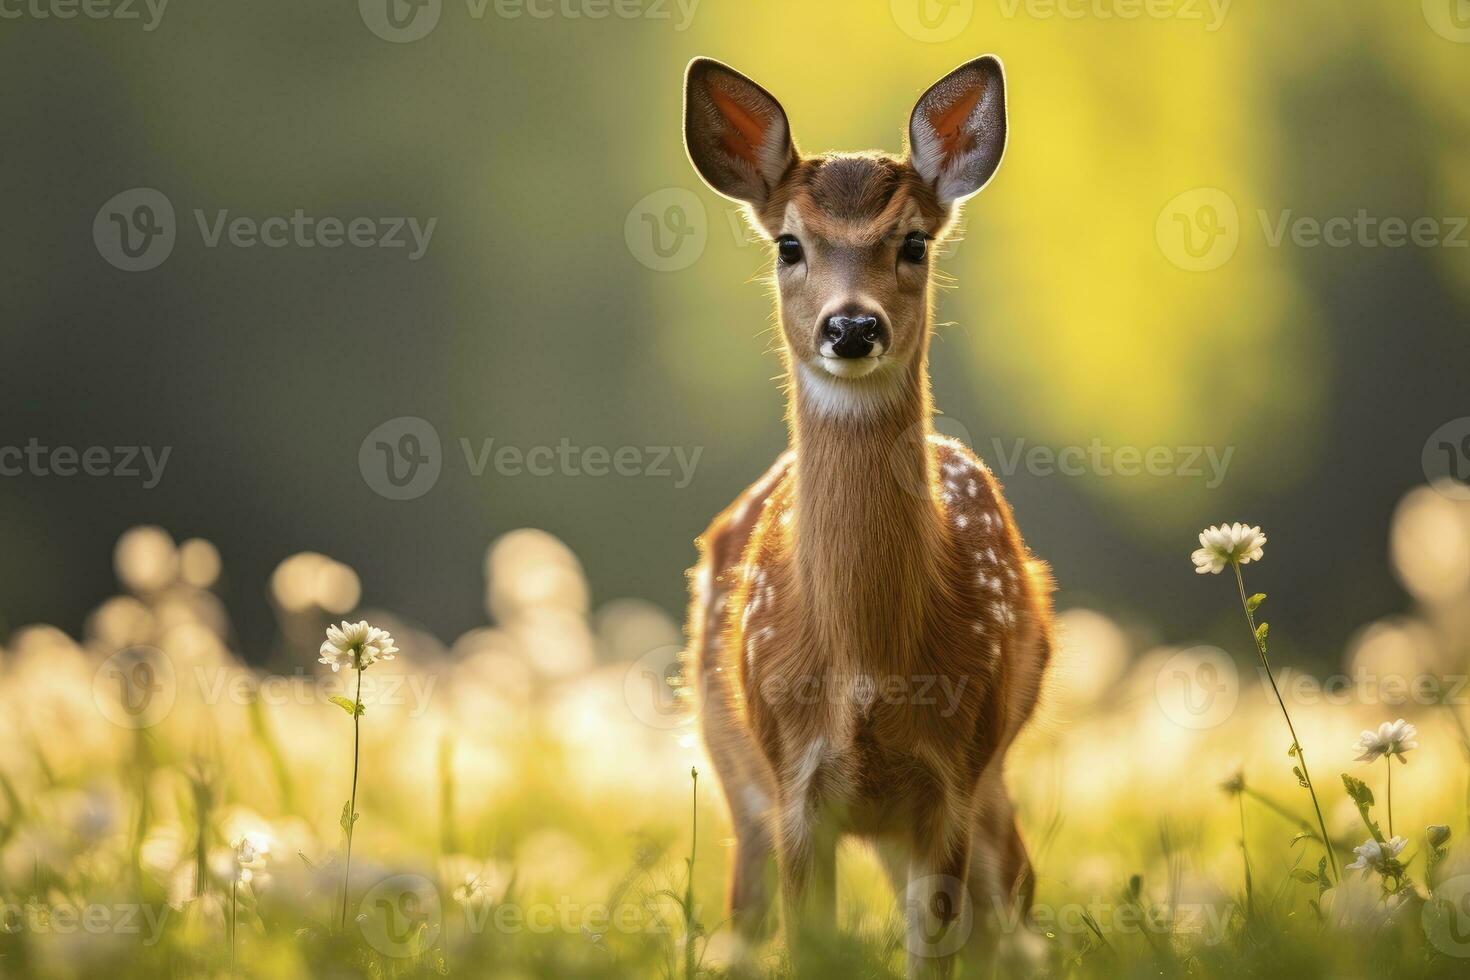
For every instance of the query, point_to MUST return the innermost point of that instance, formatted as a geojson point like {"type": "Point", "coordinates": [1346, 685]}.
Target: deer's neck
{"type": "Point", "coordinates": [867, 531]}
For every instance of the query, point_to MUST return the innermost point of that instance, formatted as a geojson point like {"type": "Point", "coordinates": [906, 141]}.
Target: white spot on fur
{"type": "Point", "coordinates": [752, 639]}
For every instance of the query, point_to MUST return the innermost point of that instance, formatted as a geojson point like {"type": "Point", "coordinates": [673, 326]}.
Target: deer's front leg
{"type": "Point", "coordinates": [938, 913]}
{"type": "Point", "coordinates": [806, 851]}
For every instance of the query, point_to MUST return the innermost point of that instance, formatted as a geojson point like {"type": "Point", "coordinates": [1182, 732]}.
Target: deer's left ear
{"type": "Point", "coordinates": [957, 133]}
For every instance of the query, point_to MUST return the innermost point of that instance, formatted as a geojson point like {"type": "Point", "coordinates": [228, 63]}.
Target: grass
{"type": "Point", "coordinates": [527, 811]}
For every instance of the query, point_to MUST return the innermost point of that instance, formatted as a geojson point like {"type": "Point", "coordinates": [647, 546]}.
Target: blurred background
{"type": "Point", "coordinates": [1141, 276]}
{"type": "Point", "coordinates": [416, 312]}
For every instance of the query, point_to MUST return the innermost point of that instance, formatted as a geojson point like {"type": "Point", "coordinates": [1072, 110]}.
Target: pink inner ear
{"type": "Point", "coordinates": [746, 130]}
{"type": "Point", "coordinates": [949, 124]}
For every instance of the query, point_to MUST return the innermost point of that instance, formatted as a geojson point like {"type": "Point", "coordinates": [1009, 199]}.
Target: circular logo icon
{"type": "Point", "coordinates": [667, 230]}
{"type": "Point", "coordinates": [1446, 459]}
{"type": "Point", "coordinates": [135, 230]}
{"type": "Point", "coordinates": [912, 439]}
{"type": "Point", "coordinates": [1446, 916]}
{"type": "Point", "coordinates": [1198, 688]}
{"type": "Point", "coordinates": [135, 687]}
{"type": "Point", "coordinates": [400, 21]}
{"type": "Point", "coordinates": [1199, 230]}
{"type": "Point", "coordinates": [932, 21]}
{"type": "Point", "coordinates": [400, 916]}
{"type": "Point", "coordinates": [1450, 19]}
{"type": "Point", "coordinates": [401, 458]}
{"type": "Point", "coordinates": [651, 688]}
{"type": "Point", "coordinates": [939, 915]}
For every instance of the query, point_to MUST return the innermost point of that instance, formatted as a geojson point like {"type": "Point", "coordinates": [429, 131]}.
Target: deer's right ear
{"type": "Point", "coordinates": [735, 132]}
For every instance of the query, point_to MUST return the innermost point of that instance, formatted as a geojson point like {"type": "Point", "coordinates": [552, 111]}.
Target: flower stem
{"type": "Point", "coordinates": [1296, 743]}
{"type": "Point", "coordinates": [234, 918]}
{"type": "Point", "coordinates": [689, 920]}
{"type": "Point", "coordinates": [1250, 905]}
{"type": "Point", "coordinates": [1389, 759]}
{"type": "Point", "coordinates": [352, 804]}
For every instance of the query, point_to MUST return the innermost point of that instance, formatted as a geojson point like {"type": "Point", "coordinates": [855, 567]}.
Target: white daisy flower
{"type": "Point", "coordinates": [1373, 856]}
{"type": "Point", "coordinates": [470, 890]}
{"type": "Point", "coordinates": [251, 850]}
{"type": "Point", "coordinates": [356, 645]}
{"type": "Point", "coordinates": [1226, 543]}
{"type": "Point", "coordinates": [1392, 738]}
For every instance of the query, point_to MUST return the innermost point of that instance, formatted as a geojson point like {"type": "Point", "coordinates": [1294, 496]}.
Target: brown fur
{"type": "Point", "coordinates": [868, 630]}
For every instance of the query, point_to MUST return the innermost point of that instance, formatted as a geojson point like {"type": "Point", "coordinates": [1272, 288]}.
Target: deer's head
{"type": "Point", "coordinates": [851, 233]}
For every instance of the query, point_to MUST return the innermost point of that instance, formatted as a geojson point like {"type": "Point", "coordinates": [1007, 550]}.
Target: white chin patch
{"type": "Point", "coordinates": [848, 367]}
{"type": "Point", "coordinates": [837, 386]}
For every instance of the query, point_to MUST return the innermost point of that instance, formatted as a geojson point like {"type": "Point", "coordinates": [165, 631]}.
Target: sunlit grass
{"type": "Point", "coordinates": [531, 811]}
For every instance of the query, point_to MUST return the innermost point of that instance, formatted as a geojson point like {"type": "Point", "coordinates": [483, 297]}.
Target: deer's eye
{"type": "Point", "coordinates": [789, 249]}
{"type": "Point", "coordinates": [915, 247]}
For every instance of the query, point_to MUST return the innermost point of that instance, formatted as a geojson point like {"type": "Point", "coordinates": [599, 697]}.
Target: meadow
{"type": "Point", "coordinates": [528, 806]}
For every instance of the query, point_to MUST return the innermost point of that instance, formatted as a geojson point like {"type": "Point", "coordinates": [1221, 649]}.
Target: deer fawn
{"type": "Point", "coordinates": [868, 632]}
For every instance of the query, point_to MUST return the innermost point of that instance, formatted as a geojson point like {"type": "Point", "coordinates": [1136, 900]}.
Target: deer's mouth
{"type": "Point", "coordinates": [851, 367]}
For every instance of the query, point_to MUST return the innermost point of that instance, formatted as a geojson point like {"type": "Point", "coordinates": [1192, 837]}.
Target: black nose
{"type": "Point", "coordinates": [851, 336]}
